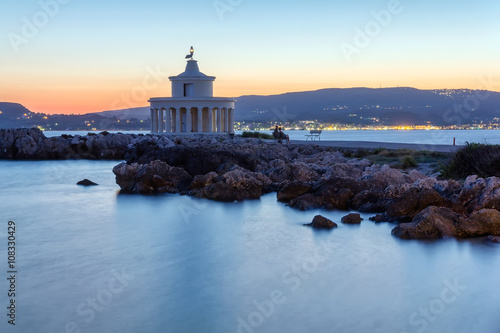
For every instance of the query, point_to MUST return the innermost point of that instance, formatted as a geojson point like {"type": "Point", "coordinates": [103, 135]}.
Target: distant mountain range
{"type": "Point", "coordinates": [359, 106]}
{"type": "Point", "coordinates": [388, 106]}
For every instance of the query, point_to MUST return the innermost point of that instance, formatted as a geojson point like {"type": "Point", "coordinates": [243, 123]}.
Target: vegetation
{"type": "Point", "coordinates": [473, 159]}
{"type": "Point", "coordinates": [400, 158]}
{"type": "Point", "coordinates": [257, 135]}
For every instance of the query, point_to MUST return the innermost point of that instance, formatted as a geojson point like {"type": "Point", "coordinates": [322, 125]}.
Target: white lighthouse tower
{"type": "Point", "coordinates": [192, 109]}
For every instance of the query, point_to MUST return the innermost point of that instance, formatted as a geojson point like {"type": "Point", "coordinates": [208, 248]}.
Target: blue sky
{"type": "Point", "coordinates": [88, 53]}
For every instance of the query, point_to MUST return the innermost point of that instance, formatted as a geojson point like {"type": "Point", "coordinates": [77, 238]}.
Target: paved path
{"type": "Point", "coordinates": [373, 145]}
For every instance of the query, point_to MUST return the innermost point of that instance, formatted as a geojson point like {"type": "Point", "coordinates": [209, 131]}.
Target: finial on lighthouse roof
{"type": "Point", "coordinates": [191, 51]}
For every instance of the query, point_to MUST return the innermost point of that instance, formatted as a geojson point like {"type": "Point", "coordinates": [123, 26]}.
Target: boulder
{"type": "Point", "coordinates": [201, 181]}
{"type": "Point", "coordinates": [155, 177]}
{"type": "Point", "coordinates": [436, 222]}
{"type": "Point", "coordinates": [493, 239]}
{"type": "Point", "coordinates": [86, 182]}
{"type": "Point", "coordinates": [236, 185]}
{"type": "Point", "coordinates": [352, 219]}
{"type": "Point", "coordinates": [484, 222]}
{"type": "Point", "coordinates": [293, 190]}
{"type": "Point", "coordinates": [369, 201]}
{"type": "Point", "coordinates": [306, 202]}
{"type": "Point", "coordinates": [321, 222]}
{"type": "Point", "coordinates": [377, 218]}
{"type": "Point", "coordinates": [413, 201]}
{"type": "Point", "coordinates": [432, 223]}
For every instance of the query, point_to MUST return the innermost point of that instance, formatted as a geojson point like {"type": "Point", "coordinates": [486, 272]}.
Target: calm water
{"type": "Point", "coordinates": [91, 260]}
{"type": "Point", "coordinates": [433, 137]}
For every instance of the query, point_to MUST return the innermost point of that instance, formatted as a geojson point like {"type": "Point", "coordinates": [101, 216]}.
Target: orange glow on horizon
{"type": "Point", "coordinates": [85, 97]}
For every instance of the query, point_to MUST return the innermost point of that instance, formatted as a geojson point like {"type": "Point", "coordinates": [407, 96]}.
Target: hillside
{"type": "Point", "coordinates": [356, 106]}
{"type": "Point", "coordinates": [390, 106]}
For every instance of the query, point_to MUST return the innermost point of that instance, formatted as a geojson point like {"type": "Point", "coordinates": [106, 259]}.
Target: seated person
{"type": "Point", "coordinates": [276, 134]}
{"type": "Point", "coordinates": [284, 136]}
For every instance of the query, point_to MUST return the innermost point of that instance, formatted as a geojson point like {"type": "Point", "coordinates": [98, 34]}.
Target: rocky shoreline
{"type": "Point", "coordinates": [303, 176]}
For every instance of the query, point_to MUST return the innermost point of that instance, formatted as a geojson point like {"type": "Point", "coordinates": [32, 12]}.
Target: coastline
{"type": "Point", "coordinates": [375, 145]}
{"type": "Point", "coordinates": [305, 176]}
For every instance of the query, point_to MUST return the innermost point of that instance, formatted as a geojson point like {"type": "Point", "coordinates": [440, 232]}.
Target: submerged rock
{"type": "Point", "coordinates": [352, 219]}
{"type": "Point", "coordinates": [321, 222]}
{"type": "Point", "coordinates": [494, 239]}
{"type": "Point", "coordinates": [86, 182]}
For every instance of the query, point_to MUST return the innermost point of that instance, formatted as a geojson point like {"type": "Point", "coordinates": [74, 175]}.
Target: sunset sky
{"type": "Point", "coordinates": [74, 56]}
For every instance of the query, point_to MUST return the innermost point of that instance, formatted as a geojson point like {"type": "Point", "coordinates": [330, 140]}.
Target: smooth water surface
{"type": "Point", "coordinates": [430, 137]}
{"type": "Point", "coordinates": [91, 260]}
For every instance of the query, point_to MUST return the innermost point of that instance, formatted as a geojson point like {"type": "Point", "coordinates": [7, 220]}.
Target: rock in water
{"type": "Point", "coordinates": [86, 182]}
{"type": "Point", "coordinates": [494, 239]}
{"type": "Point", "coordinates": [352, 219]}
{"type": "Point", "coordinates": [321, 222]}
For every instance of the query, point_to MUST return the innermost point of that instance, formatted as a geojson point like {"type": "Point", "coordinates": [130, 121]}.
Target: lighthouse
{"type": "Point", "coordinates": [192, 109]}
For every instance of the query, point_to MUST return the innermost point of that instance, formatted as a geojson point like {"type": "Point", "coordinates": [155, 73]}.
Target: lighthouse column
{"type": "Point", "coordinates": [200, 119]}
{"type": "Point", "coordinates": [219, 120]}
{"type": "Point", "coordinates": [168, 119]}
{"type": "Point", "coordinates": [178, 114]}
{"type": "Point", "coordinates": [162, 124]}
{"type": "Point", "coordinates": [189, 120]}
{"type": "Point", "coordinates": [230, 121]}
{"type": "Point", "coordinates": [210, 120]}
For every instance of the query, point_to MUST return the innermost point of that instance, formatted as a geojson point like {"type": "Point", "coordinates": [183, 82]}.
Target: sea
{"type": "Point", "coordinates": [89, 259]}
{"type": "Point", "coordinates": [432, 137]}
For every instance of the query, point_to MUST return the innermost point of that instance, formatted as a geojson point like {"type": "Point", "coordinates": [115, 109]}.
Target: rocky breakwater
{"type": "Point", "coordinates": [310, 177]}
{"type": "Point", "coordinates": [32, 144]}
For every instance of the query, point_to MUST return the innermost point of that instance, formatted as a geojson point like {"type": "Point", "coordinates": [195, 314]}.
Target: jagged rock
{"type": "Point", "coordinates": [201, 181]}
{"type": "Point", "coordinates": [31, 144]}
{"type": "Point", "coordinates": [431, 223]}
{"type": "Point", "coordinates": [306, 202]}
{"type": "Point", "coordinates": [437, 222]}
{"type": "Point", "coordinates": [236, 185]}
{"type": "Point", "coordinates": [369, 201]}
{"type": "Point", "coordinates": [86, 182]}
{"type": "Point", "coordinates": [377, 218]}
{"type": "Point", "coordinates": [414, 201]}
{"type": "Point", "coordinates": [482, 223]}
{"type": "Point", "coordinates": [494, 239]}
{"type": "Point", "coordinates": [281, 173]}
{"type": "Point", "coordinates": [321, 222]}
{"type": "Point", "coordinates": [352, 219]}
{"type": "Point", "coordinates": [155, 177]}
{"type": "Point", "coordinates": [293, 190]}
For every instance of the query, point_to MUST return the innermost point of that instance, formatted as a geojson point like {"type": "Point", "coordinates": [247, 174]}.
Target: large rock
{"type": "Point", "coordinates": [482, 223]}
{"type": "Point", "coordinates": [155, 177]}
{"type": "Point", "coordinates": [369, 201]}
{"type": "Point", "coordinates": [31, 144]}
{"type": "Point", "coordinates": [321, 222]}
{"type": "Point", "coordinates": [438, 222]}
{"type": "Point", "coordinates": [352, 218]}
{"type": "Point", "coordinates": [431, 223]}
{"type": "Point", "coordinates": [236, 185]}
{"type": "Point", "coordinates": [86, 182]}
{"type": "Point", "coordinates": [293, 190]}
{"type": "Point", "coordinates": [413, 201]}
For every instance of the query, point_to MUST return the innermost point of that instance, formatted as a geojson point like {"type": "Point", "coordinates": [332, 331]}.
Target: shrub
{"type": "Point", "coordinates": [361, 152]}
{"type": "Point", "coordinates": [408, 162]}
{"type": "Point", "coordinates": [347, 153]}
{"type": "Point", "coordinates": [257, 135]}
{"type": "Point", "coordinates": [473, 159]}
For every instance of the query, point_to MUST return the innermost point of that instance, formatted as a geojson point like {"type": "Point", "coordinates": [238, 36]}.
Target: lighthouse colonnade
{"type": "Point", "coordinates": [190, 120]}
